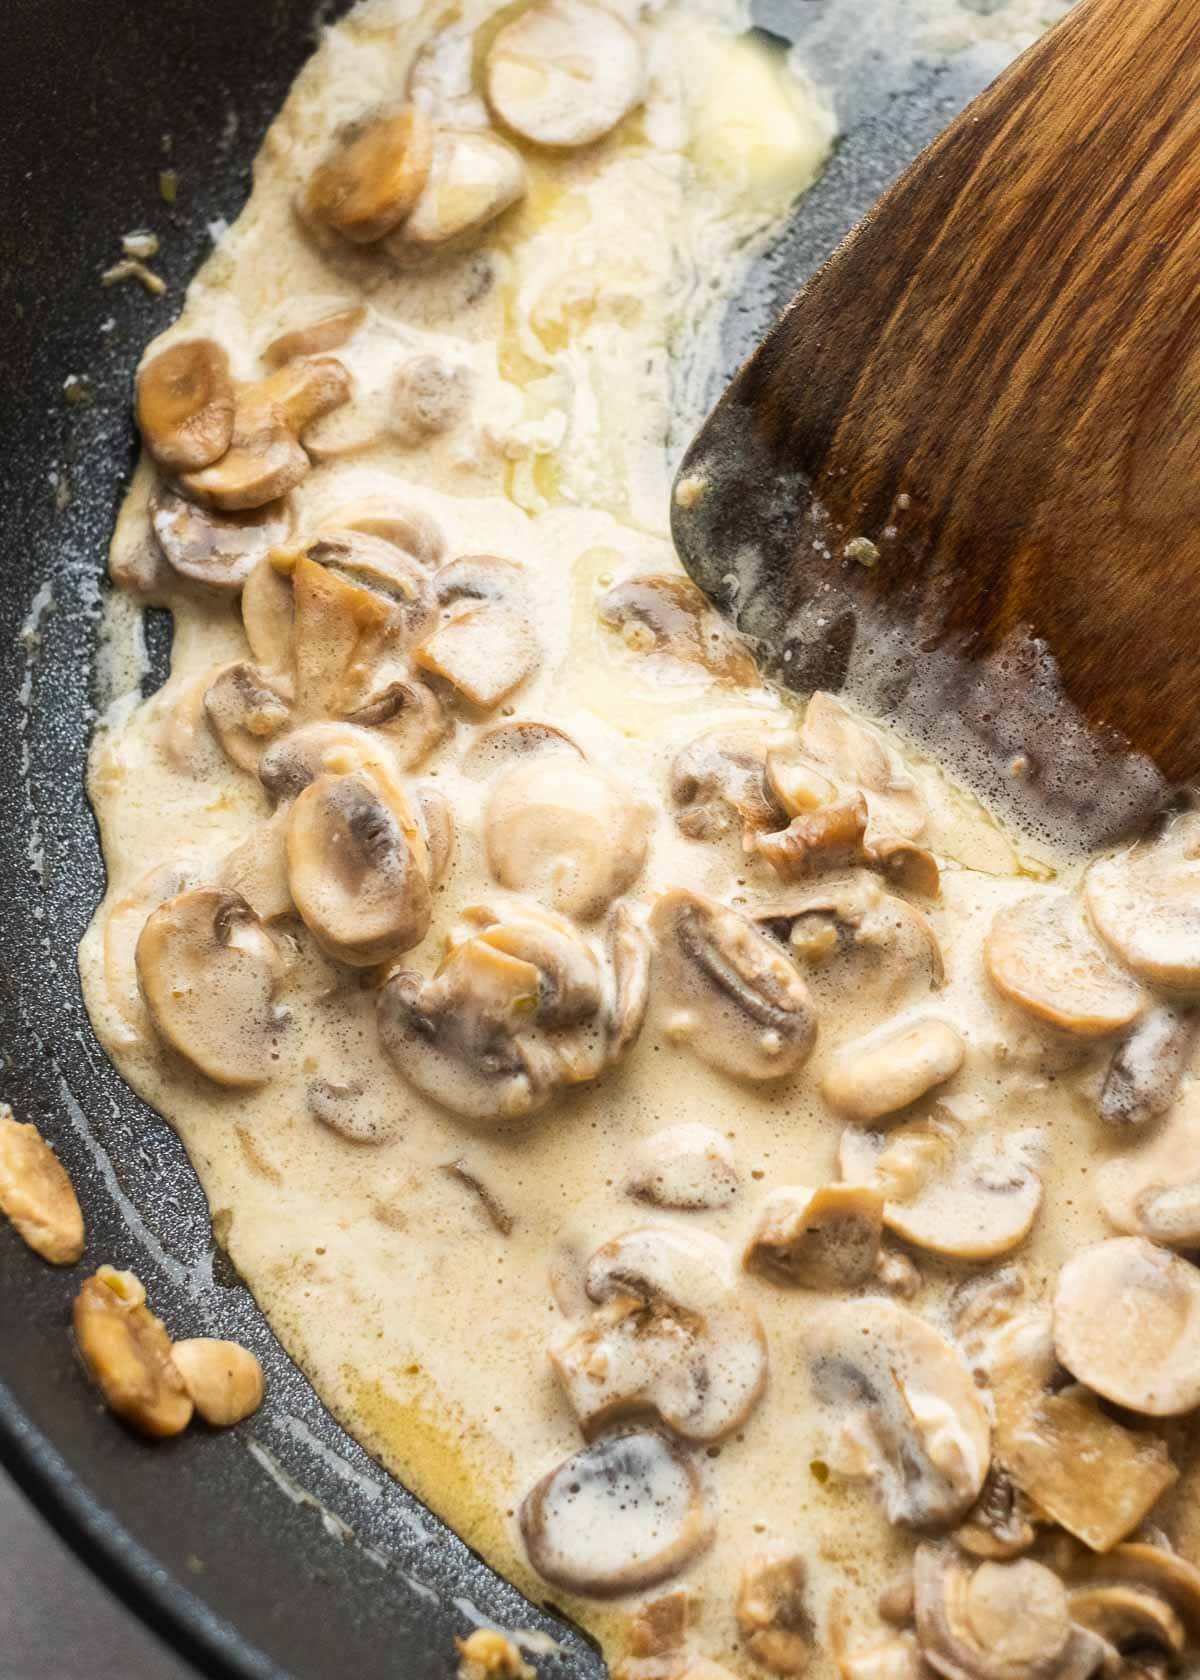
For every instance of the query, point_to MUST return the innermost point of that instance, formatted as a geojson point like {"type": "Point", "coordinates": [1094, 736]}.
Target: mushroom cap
{"type": "Point", "coordinates": [563, 73]}
{"type": "Point", "coordinates": [340, 638]}
{"type": "Point", "coordinates": [854, 754]}
{"type": "Point", "coordinates": [1155, 1191]}
{"type": "Point", "coordinates": [820, 1239]}
{"type": "Point", "coordinates": [1123, 1294]}
{"type": "Point", "coordinates": [1139, 1565]}
{"type": "Point", "coordinates": [1145, 905]}
{"type": "Point", "coordinates": [294, 761]}
{"type": "Point", "coordinates": [740, 1003]}
{"type": "Point", "coordinates": [474, 177]}
{"type": "Point", "coordinates": [670, 617]}
{"type": "Point", "coordinates": [246, 709]}
{"type": "Point", "coordinates": [214, 550]}
{"type": "Point", "coordinates": [498, 746]}
{"type": "Point", "coordinates": [616, 1517]}
{"type": "Point", "coordinates": [358, 867]}
{"type": "Point", "coordinates": [566, 831]}
{"type": "Point", "coordinates": [968, 1197]}
{"type": "Point", "coordinates": [908, 1414]}
{"type": "Point", "coordinates": [1040, 955]}
{"type": "Point", "coordinates": [1144, 1075]}
{"type": "Point", "coordinates": [209, 972]}
{"type": "Point", "coordinates": [223, 1379]}
{"type": "Point", "coordinates": [718, 781]}
{"type": "Point", "coordinates": [317, 337]}
{"type": "Point", "coordinates": [184, 404]}
{"type": "Point", "coordinates": [265, 459]}
{"type": "Point", "coordinates": [485, 651]}
{"type": "Point", "coordinates": [672, 1337]}
{"type": "Point", "coordinates": [257, 869]}
{"type": "Point", "coordinates": [408, 714]}
{"type": "Point", "coordinates": [890, 1069]}
{"type": "Point", "coordinates": [402, 523]}
{"type": "Point", "coordinates": [372, 175]}
{"type": "Point", "coordinates": [687, 1166]}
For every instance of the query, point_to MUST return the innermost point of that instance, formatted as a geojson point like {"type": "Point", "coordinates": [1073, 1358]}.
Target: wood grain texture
{"type": "Point", "coordinates": [995, 379]}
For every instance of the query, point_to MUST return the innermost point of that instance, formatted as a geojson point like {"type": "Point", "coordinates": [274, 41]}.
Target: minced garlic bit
{"type": "Point", "coordinates": [130, 268]}
{"type": "Point", "coordinates": [689, 490]}
{"type": "Point", "coordinates": [488, 1654]}
{"type": "Point", "coordinates": [863, 550]}
{"type": "Point", "coordinates": [141, 244]}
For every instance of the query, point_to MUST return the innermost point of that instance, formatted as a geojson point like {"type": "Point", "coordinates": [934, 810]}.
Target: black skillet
{"type": "Point", "coordinates": [278, 1549]}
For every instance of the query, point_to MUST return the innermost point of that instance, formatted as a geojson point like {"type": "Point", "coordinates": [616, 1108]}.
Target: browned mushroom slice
{"type": "Point", "coordinates": [185, 404]}
{"type": "Point", "coordinates": [902, 1407]}
{"type": "Point", "coordinates": [998, 1621]}
{"type": "Point", "coordinates": [672, 1336]}
{"type": "Point", "coordinates": [326, 332]}
{"type": "Point", "coordinates": [1000, 1525]}
{"type": "Point", "coordinates": [387, 571]}
{"type": "Point", "coordinates": [429, 398]}
{"type": "Point", "coordinates": [246, 710]}
{"type": "Point", "coordinates": [484, 651]}
{"type": "Point", "coordinates": [669, 617]}
{"type": "Point", "coordinates": [566, 832]}
{"type": "Point", "coordinates": [773, 1617]}
{"type": "Point", "coordinates": [209, 972]}
{"type": "Point", "coordinates": [629, 945]}
{"type": "Point", "coordinates": [127, 1354]}
{"type": "Point", "coordinates": [1123, 1294]}
{"type": "Point", "coordinates": [408, 714]}
{"type": "Point", "coordinates": [265, 459]}
{"type": "Point", "coordinates": [474, 177]}
{"type": "Point", "coordinates": [123, 923]}
{"type": "Point", "coordinates": [1142, 1599]}
{"type": "Point", "coordinates": [293, 762]}
{"type": "Point", "coordinates": [964, 1196]}
{"type": "Point", "coordinates": [358, 867]}
{"type": "Point", "coordinates": [372, 176]}
{"type": "Point", "coordinates": [36, 1194]}
{"type": "Point", "coordinates": [1040, 955]}
{"type": "Point", "coordinates": [889, 1070]}
{"type": "Point", "coordinates": [341, 638]}
{"type": "Point", "coordinates": [619, 1516]}
{"type": "Point", "coordinates": [686, 1166]}
{"type": "Point", "coordinates": [563, 73]}
{"type": "Point", "coordinates": [404, 524]}
{"type": "Point", "coordinates": [1145, 905]}
{"type": "Point", "coordinates": [498, 746]}
{"type": "Point", "coordinates": [257, 869]}
{"type": "Point", "coordinates": [854, 754]}
{"type": "Point", "coordinates": [736, 1000]}
{"type": "Point", "coordinates": [831, 837]}
{"type": "Point", "coordinates": [818, 1239]}
{"type": "Point", "coordinates": [1144, 1075]}
{"type": "Point", "coordinates": [217, 551]}
{"type": "Point", "coordinates": [656, 1638]}
{"type": "Point", "coordinates": [1155, 1191]}
{"type": "Point", "coordinates": [718, 782]}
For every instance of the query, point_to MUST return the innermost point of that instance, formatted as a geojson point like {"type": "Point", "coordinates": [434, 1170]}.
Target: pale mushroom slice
{"type": "Point", "coordinates": [318, 336]}
{"type": "Point", "coordinates": [474, 177]}
{"type": "Point", "coordinates": [566, 832]}
{"type": "Point", "coordinates": [484, 651]}
{"type": "Point", "coordinates": [773, 1616]}
{"type": "Point", "coordinates": [902, 1408]}
{"type": "Point", "coordinates": [36, 1193]}
{"type": "Point", "coordinates": [435, 814]}
{"type": "Point", "coordinates": [408, 714]}
{"type": "Point", "coordinates": [669, 619]}
{"type": "Point", "coordinates": [126, 1352]}
{"type": "Point", "coordinates": [621, 1515]}
{"type": "Point", "coordinates": [209, 972]}
{"type": "Point", "coordinates": [688, 1166]}
{"type": "Point", "coordinates": [341, 635]}
{"type": "Point", "coordinates": [832, 736]}
{"type": "Point", "coordinates": [124, 920]}
{"type": "Point", "coordinates": [246, 710]}
{"type": "Point", "coordinates": [217, 551]}
{"type": "Point", "coordinates": [372, 175]}
{"type": "Point", "coordinates": [1126, 1294]}
{"type": "Point", "coordinates": [563, 73]}
{"type": "Point", "coordinates": [734, 998]}
{"type": "Point", "coordinates": [265, 458]}
{"type": "Point", "coordinates": [442, 78]}
{"type": "Point", "coordinates": [891, 1069]}
{"type": "Point", "coordinates": [656, 1638]}
{"type": "Point", "coordinates": [817, 1239]}
{"type": "Point", "coordinates": [1040, 955]}
{"type": "Point", "coordinates": [963, 1195]}
{"type": "Point", "coordinates": [672, 1336]}
{"type": "Point", "coordinates": [831, 837]}
{"type": "Point", "coordinates": [629, 945]}
{"type": "Point", "coordinates": [184, 404]}
{"type": "Point", "coordinates": [1145, 905]}
{"type": "Point", "coordinates": [499, 746]}
{"type": "Point", "coordinates": [998, 1621]}
{"type": "Point", "coordinates": [297, 759]}
{"type": "Point", "coordinates": [358, 867]}
{"type": "Point", "coordinates": [269, 613]}
{"type": "Point", "coordinates": [718, 783]}
{"type": "Point", "coordinates": [1142, 1599]}
{"type": "Point", "coordinates": [1146, 1070]}
{"type": "Point", "coordinates": [1154, 1192]}
{"type": "Point", "coordinates": [401, 522]}
{"type": "Point", "coordinates": [256, 869]}
{"type": "Point", "coordinates": [223, 1379]}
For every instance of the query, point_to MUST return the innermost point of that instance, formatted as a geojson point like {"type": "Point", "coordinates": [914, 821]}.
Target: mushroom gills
{"type": "Point", "coordinates": [1146, 1070]}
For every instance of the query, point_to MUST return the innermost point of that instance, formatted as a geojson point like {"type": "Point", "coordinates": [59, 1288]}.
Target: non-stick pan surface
{"type": "Point", "coordinates": [280, 1548]}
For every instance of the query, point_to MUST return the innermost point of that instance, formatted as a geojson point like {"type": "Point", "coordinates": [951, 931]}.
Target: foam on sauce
{"type": "Point", "coordinates": [422, 1324]}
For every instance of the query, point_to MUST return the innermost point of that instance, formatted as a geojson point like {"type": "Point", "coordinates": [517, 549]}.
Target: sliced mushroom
{"type": "Point", "coordinates": [656, 1638]}
{"type": "Point", "coordinates": [483, 651]}
{"type": "Point", "coordinates": [832, 736]}
{"type": "Point", "coordinates": [1145, 905]}
{"type": "Point", "coordinates": [442, 78]}
{"type": "Point", "coordinates": [36, 1194]}
{"type": "Point", "coordinates": [265, 458]}
{"type": "Point", "coordinates": [687, 1166]}
{"type": "Point", "coordinates": [408, 714]}
{"type": "Point", "coordinates": [296, 759]}
{"type": "Point", "coordinates": [268, 613]}
{"type": "Point", "coordinates": [1124, 1294]}
{"type": "Point", "coordinates": [718, 783]}
{"type": "Point", "coordinates": [224, 1379]}
{"type": "Point", "coordinates": [123, 923]}
{"type": "Point", "coordinates": [185, 404]}
{"type": "Point", "coordinates": [998, 1621]}
{"type": "Point", "coordinates": [897, 1658]}
{"type": "Point", "coordinates": [736, 1000]}
{"type": "Point", "coordinates": [488, 1654]}
{"type": "Point", "coordinates": [358, 867]}
{"type": "Point", "coordinates": [349, 1108]}
{"type": "Point", "coordinates": [429, 398]}
{"type": "Point", "coordinates": [630, 947]}
{"type": "Point", "coordinates": [1040, 955]}
{"type": "Point", "coordinates": [772, 1612]}
{"type": "Point", "coordinates": [830, 837]}
{"type": "Point", "coordinates": [947, 1191]}
{"type": "Point", "coordinates": [387, 570]}
{"type": "Point", "coordinates": [217, 551]}
{"type": "Point", "coordinates": [565, 831]}
{"type": "Point", "coordinates": [622, 1514]}
{"type": "Point", "coordinates": [318, 337]}
{"type": "Point", "coordinates": [474, 177]}
{"type": "Point", "coordinates": [498, 746]}
{"type": "Point", "coordinates": [1000, 1524]}
{"type": "Point", "coordinates": [1141, 1599]}
{"type": "Point", "coordinates": [436, 816]}
{"type": "Point", "coordinates": [246, 709]}
{"type": "Point", "coordinates": [406, 525]}
{"type": "Point", "coordinates": [1144, 1075]}
{"type": "Point", "coordinates": [891, 1069]}
{"type": "Point", "coordinates": [127, 1354]}
{"type": "Point", "coordinates": [817, 1239]}
{"type": "Point", "coordinates": [671, 1337]}
{"type": "Point", "coordinates": [257, 870]}
{"type": "Point", "coordinates": [669, 617]}
{"type": "Point", "coordinates": [563, 73]}
{"type": "Point", "coordinates": [341, 638]}
{"type": "Point", "coordinates": [372, 175]}
{"type": "Point", "coordinates": [1155, 1191]}
{"type": "Point", "coordinates": [209, 972]}
{"type": "Point", "coordinates": [904, 1410]}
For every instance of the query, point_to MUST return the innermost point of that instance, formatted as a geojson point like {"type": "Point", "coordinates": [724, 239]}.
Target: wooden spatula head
{"type": "Point", "coordinates": [961, 476]}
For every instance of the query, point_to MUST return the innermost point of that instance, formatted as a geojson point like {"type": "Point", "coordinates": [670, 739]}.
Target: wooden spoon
{"type": "Point", "coordinates": [961, 475]}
